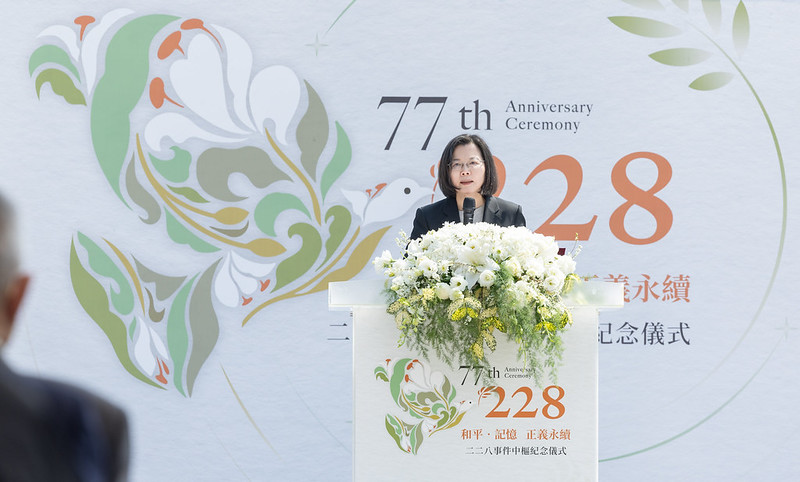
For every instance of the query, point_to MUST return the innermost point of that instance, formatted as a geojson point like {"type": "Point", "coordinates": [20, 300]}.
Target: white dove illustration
{"type": "Point", "coordinates": [389, 201]}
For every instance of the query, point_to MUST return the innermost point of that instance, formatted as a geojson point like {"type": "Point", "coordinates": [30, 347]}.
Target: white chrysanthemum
{"type": "Point", "coordinates": [533, 266]}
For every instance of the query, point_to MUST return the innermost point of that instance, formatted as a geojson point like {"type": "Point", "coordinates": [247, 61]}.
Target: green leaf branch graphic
{"type": "Point", "coordinates": [297, 264]}
{"type": "Point", "coordinates": [50, 54]}
{"type": "Point", "coordinates": [431, 407]}
{"type": "Point", "coordinates": [711, 81]}
{"type": "Point", "coordinates": [741, 29]}
{"type": "Point", "coordinates": [340, 219]}
{"type": "Point", "coordinates": [178, 336]}
{"type": "Point", "coordinates": [119, 90]}
{"type": "Point", "coordinates": [273, 205]}
{"type": "Point", "coordinates": [101, 263]}
{"type": "Point", "coordinates": [94, 300]}
{"type": "Point", "coordinates": [680, 57]}
{"type": "Point", "coordinates": [203, 324]}
{"type": "Point", "coordinates": [312, 132]}
{"type": "Point", "coordinates": [361, 255]}
{"type": "Point", "coordinates": [339, 162]}
{"type": "Point", "coordinates": [263, 247]}
{"type": "Point", "coordinates": [713, 12]}
{"type": "Point", "coordinates": [175, 169]}
{"type": "Point", "coordinates": [62, 85]}
{"type": "Point", "coordinates": [646, 27]}
{"type": "Point", "coordinates": [192, 325]}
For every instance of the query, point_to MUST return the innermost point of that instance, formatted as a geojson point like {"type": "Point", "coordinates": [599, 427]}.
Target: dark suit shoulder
{"type": "Point", "coordinates": [503, 213]}
{"type": "Point", "coordinates": [434, 208]}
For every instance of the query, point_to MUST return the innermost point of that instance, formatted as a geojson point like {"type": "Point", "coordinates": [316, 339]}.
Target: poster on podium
{"type": "Point", "coordinates": [422, 418]}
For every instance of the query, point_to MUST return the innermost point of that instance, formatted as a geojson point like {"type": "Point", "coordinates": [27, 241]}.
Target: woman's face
{"type": "Point", "coordinates": [467, 170]}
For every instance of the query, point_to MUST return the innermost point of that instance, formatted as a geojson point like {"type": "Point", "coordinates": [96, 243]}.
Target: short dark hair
{"type": "Point", "coordinates": [490, 172]}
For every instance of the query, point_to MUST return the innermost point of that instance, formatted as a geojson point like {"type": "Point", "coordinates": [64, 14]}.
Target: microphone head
{"type": "Point", "coordinates": [469, 210]}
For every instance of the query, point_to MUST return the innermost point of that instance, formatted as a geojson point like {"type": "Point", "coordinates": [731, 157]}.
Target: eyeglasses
{"type": "Point", "coordinates": [469, 165]}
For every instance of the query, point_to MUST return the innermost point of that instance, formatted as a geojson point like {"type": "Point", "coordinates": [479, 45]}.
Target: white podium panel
{"type": "Point", "coordinates": [419, 419]}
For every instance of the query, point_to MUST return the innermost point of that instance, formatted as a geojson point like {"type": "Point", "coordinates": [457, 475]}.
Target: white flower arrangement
{"type": "Point", "coordinates": [454, 287]}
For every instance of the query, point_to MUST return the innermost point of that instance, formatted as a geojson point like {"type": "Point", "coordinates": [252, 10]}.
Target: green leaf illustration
{"type": "Point", "coordinates": [711, 81]}
{"type": "Point", "coordinates": [395, 430]}
{"type": "Point", "coordinates": [416, 438]}
{"type": "Point", "coordinates": [713, 11]}
{"type": "Point", "coordinates": [741, 28]}
{"type": "Point", "coordinates": [339, 162]}
{"type": "Point", "coordinates": [175, 169]}
{"type": "Point", "coordinates": [398, 373]}
{"type": "Point", "coordinates": [647, 4]}
{"type": "Point", "coordinates": [178, 336]}
{"type": "Point", "coordinates": [119, 90]}
{"type": "Point", "coordinates": [359, 258]}
{"type": "Point", "coordinates": [338, 229]}
{"type": "Point", "coordinates": [232, 233]}
{"type": "Point", "coordinates": [189, 193]}
{"type": "Point", "coordinates": [204, 326]}
{"type": "Point", "coordinates": [381, 374]}
{"type": "Point", "coordinates": [312, 132]}
{"type": "Point", "coordinates": [152, 312]}
{"type": "Point", "coordinates": [141, 196]}
{"type": "Point", "coordinates": [448, 390]}
{"type": "Point", "coordinates": [231, 215]}
{"type": "Point", "coordinates": [94, 300]}
{"type": "Point", "coordinates": [165, 285]}
{"type": "Point", "coordinates": [53, 55]}
{"type": "Point", "coordinates": [295, 265]}
{"type": "Point", "coordinates": [271, 206]}
{"type": "Point", "coordinates": [62, 86]}
{"type": "Point", "coordinates": [215, 166]}
{"type": "Point", "coordinates": [680, 57]}
{"type": "Point", "coordinates": [102, 264]}
{"type": "Point", "coordinates": [645, 27]}
{"type": "Point", "coordinates": [178, 233]}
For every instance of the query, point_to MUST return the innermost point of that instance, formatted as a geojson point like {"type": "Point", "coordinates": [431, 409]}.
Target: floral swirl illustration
{"type": "Point", "coordinates": [237, 162]}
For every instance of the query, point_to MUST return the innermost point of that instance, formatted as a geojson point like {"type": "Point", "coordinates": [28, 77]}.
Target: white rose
{"type": "Point", "coordinates": [513, 266]}
{"type": "Point", "coordinates": [443, 291]}
{"type": "Point", "coordinates": [487, 278]}
{"type": "Point", "coordinates": [456, 295]}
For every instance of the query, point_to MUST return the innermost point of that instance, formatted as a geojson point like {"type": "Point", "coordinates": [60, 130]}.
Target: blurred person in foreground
{"type": "Point", "coordinates": [50, 431]}
{"type": "Point", "coordinates": [467, 170]}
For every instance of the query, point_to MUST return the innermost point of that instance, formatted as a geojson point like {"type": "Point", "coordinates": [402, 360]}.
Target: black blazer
{"type": "Point", "coordinates": [495, 211]}
{"type": "Point", "coordinates": [54, 431]}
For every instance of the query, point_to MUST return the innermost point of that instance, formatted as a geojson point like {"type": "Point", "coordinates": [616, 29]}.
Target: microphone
{"type": "Point", "coordinates": [469, 210]}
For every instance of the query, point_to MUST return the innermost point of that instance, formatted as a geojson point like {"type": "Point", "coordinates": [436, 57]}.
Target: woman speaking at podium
{"type": "Point", "coordinates": [467, 178]}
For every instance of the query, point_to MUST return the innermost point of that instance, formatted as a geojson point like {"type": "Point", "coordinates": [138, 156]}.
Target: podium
{"type": "Point", "coordinates": [419, 419]}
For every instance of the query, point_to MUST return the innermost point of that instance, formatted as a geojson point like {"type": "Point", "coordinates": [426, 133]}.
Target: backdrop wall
{"type": "Point", "coordinates": [190, 177]}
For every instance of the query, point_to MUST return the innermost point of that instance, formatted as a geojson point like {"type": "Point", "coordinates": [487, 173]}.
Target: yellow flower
{"type": "Point", "coordinates": [477, 350]}
{"type": "Point", "coordinates": [490, 340]}
{"type": "Point", "coordinates": [459, 314]}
